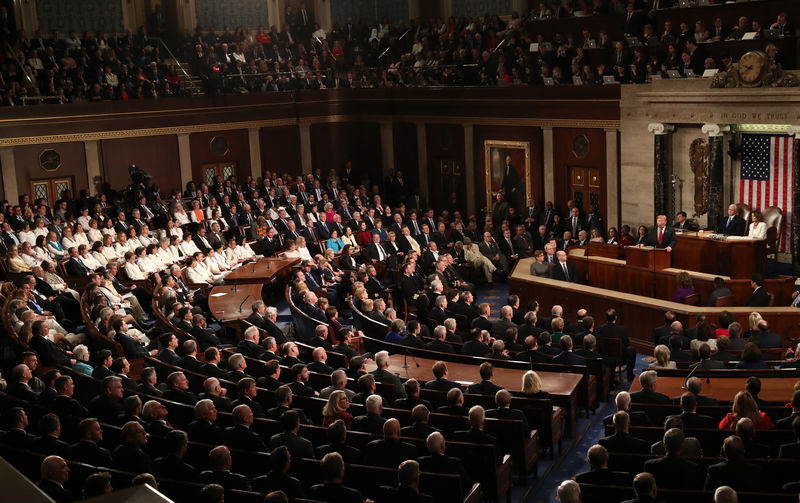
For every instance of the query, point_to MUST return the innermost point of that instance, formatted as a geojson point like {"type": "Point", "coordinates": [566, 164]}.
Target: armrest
{"type": "Point", "coordinates": [474, 495]}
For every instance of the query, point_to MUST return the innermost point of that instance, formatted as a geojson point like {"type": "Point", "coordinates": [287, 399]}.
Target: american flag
{"type": "Point", "coordinates": [767, 162]}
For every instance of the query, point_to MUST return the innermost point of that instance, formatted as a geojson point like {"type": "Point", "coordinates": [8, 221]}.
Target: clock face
{"type": "Point", "coordinates": [750, 66]}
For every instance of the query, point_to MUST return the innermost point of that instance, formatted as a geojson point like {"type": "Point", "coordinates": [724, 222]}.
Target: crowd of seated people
{"type": "Point", "coordinates": [300, 55]}
{"type": "Point", "coordinates": [73, 67]}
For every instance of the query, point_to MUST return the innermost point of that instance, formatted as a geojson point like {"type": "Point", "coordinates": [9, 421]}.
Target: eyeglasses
{"type": "Point", "coordinates": [345, 399]}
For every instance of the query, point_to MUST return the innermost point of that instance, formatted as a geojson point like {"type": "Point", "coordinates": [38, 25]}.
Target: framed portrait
{"type": "Point", "coordinates": [508, 168]}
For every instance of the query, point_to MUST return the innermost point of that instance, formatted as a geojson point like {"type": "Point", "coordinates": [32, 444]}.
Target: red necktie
{"type": "Point", "coordinates": [660, 236]}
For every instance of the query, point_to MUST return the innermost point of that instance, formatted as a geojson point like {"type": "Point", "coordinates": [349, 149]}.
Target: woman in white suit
{"type": "Point", "coordinates": [757, 228]}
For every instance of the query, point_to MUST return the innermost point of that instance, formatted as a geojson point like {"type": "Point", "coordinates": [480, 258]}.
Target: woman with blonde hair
{"type": "Point", "coordinates": [336, 408]}
{"type": "Point", "coordinates": [532, 385]}
{"type": "Point", "coordinates": [744, 405]}
{"type": "Point", "coordinates": [662, 354]}
{"type": "Point", "coordinates": [752, 325]}
{"type": "Point", "coordinates": [303, 249]}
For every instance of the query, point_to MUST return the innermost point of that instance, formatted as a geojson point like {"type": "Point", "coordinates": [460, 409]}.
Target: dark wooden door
{"type": "Point", "coordinates": [585, 187]}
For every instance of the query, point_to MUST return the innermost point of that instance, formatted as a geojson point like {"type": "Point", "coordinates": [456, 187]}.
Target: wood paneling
{"type": "Point", "coordinates": [280, 150]}
{"type": "Point", "coordinates": [406, 154]}
{"type": "Point", "coordinates": [333, 144]}
{"type": "Point", "coordinates": [533, 135]}
{"type": "Point", "coordinates": [445, 145]}
{"type": "Point", "coordinates": [564, 158]}
{"type": "Point", "coordinates": [238, 151]}
{"type": "Point", "coordinates": [157, 155]}
{"type": "Point", "coordinates": [73, 164]}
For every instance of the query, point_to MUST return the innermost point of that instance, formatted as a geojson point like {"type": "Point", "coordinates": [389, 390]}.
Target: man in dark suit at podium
{"type": "Point", "coordinates": [662, 236]}
{"type": "Point", "coordinates": [734, 225]}
{"type": "Point", "coordinates": [563, 270]}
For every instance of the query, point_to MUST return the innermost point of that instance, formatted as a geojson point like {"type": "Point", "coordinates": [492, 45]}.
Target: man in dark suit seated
{"type": "Point", "coordinates": [662, 332]}
{"type": "Point", "coordinates": [408, 490]}
{"type": "Point", "coordinates": [531, 352]}
{"type": "Point", "coordinates": [298, 447]}
{"type": "Point", "coordinates": [648, 392]}
{"type": "Point", "coordinates": [49, 442]}
{"type": "Point", "coordinates": [672, 471]}
{"type": "Point", "coordinates": [734, 471]}
{"type": "Point", "coordinates": [18, 384]}
{"type": "Point", "coordinates": [154, 414]}
{"type": "Point", "coordinates": [767, 339]}
{"type": "Point", "coordinates": [129, 456]}
{"type": "Point", "coordinates": [278, 479]}
{"type": "Point", "coordinates": [248, 346]}
{"type": "Point", "coordinates": [589, 349]}
{"type": "Point", "coordinates": [239, 435]}
{"type": "Point", "coordinates": [389, 451]}
{"type": "Point", "coordinates": [438, 462]}
{"type": "Point", "coordinates": [733, 225]}
{"type": "Point", "coordinates": [248, 395]}
{"type": "Point", "coordinates": [482, 321]}
{"type": "Point", "coordinates": [55, 473]}
{"type": "Point", "coordinates": [746, 430]}
{"type": "Point", "coordinates": [612, 330]}
{"type": "Point", "coordinates": [563, 270]}
{"type": "Point", "coordinates": [759, 297]}
{"type": "Point", "coordinates": [504, 411]}
{"type": "Point", "coordinates": [623, 402]}
{"type": "Point", "coordinates": [622, 441]}
{"type": "Point", "coordinates": [644, 485]}
{"type": "Point", "coordinates": [332, 469]}
{"type": "Point", "coordinates": [178, 389]}
{"type": "Point", "coordinates": [189, 359]}
{"type": "Point", "coordinates": [412, 398]}
{"type": "Point", "coordinates": [299, 385]}
{"type": "Point", "coordinates": [381, 373]}
{"type": "Point", "coordinates": [336, 435]}
{"type": "Point", "coordinates": [216, 393]}
{"type": "Point", "coordinates": [220, 461]}
{"type": "Point", "coordinates": [371, 422]}
{"type": "Point", "coordinates": [475, 434]}
{"type": "Point", "coordinates": [792, 450]}
{"type": "Point", "coordinates": [597, 456]}
{"type": "Point", "coordinates": [441, 383]}
{"type": "Point", "coordinates": [567, 356]}
{"type": "Point", "coordinates": [485, 386]}
{"type": "Point", "coordinates": [172, 466]}
{"type": "Point", "coordinates": [203, 429]}
{"type": "Point", "coordinates": [167, 354]}
{"type": "Point", "coordinates": [455, 403]}
{"type": "Point", "coordinates": [439, 344]}
{"type": "Point", "coordinates": [420, 427]}
{"type": "Point", "coordinates": [787, 422]}
{"type": "Point", "coordinates": [107, 406]}
{"type": "Point", "coordinates": [476, 346]}
{"type": "Point", "coordinates": [63, 403]}
{"type": "Point", "coordinates": [689, 416]}
{"type": "Point", "coordinates": [694, 385]}
{"type": "Point", "coordinates": [86, 449]}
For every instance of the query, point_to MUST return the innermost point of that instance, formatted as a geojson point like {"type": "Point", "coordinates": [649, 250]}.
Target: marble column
{"type": "Point", "coordinates": [613, 216]}
{"type": "Point", "coordinates": [469, 168]}
{"type": "Point", "coordinates": [91, 148]}
{"type": "Point", "coordinates": [254, 141]}
{"type": "Point", "coordinates": [548, 156]}
{"type": "Point", "coordinates": [716, 163]}
{"type": "Point", "coordinates": [9, 171]}
{"type": "Point", "coordinates": [662, 167]}
{"type": "Point", "coordinates": [185, 159]}
{"type": "Point", "coordinates": [422, 160]}
{"type": "Point", "coordinates": [795, 131]}
{"type": "Point", "coordinates": [387, 149]}
{"type": "Point", "coordinates": [306, 162]}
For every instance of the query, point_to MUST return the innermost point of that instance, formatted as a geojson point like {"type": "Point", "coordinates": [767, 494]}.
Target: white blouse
{"type": "Point", "coordinates": [94, 235]}
{"type": "Point", "coordinates": [757, 231]}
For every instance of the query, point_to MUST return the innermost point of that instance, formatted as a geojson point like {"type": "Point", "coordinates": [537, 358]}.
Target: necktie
{"type": "Point", "coordinates": [566, 272]}
{"type": "Point", "coordinates": [574, 226]}
{"type": "Point", "coordinates": [729, 221]}
{"type": "Point", "coordinates": [660, 236]}
{"type": "Point", "coordinates": [382, 255]}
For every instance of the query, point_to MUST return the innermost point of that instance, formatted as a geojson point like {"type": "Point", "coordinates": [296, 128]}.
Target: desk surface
{"type": "Point", "coordinates": [262, 271]}
{"type": "Point", "coordinates": [725, 388]}
{"type": "Point", "coordinates": [224, 302]}
{"type": "Point", "coordinates": [555, 383]}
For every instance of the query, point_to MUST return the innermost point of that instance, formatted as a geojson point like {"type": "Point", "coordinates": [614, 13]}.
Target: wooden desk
{"type": "Point", "coordinates": [265, 270]}
{"type": "Point", "coordinates": [739, 259]}
{"type": "Point", "coordinates": [224, 302]}
{"type": "Point", "coordinates": [562, 387]}
{"type": "Point", "coordinates": [725, 388]}
{"type": "Point", "coordinates": [640, 314]}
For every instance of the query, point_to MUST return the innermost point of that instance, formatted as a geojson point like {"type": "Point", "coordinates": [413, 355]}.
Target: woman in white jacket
{"type": "Point", "coordinates": [479, 262]}
{"type": "Point", "coordinates": [757, 228]}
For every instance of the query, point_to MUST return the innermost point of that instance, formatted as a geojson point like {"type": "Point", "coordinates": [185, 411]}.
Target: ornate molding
{"type": "Point", "coordinates": [793, 131]}
{"type": "Point", "coordinates": [660, 128]}
{"type": "Point", "coordinates": [714, 129]}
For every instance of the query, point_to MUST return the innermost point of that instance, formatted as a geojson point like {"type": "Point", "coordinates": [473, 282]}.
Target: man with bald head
{"type": "Point", "coordinates": [389, 451]}
{"type": "Point", "coordinates": [319, 357]}
{"type": "Point", "coordinates": [621, 440]}
{"type": "Point", "coordinates": [438, 462]}
{"type": "Point", "coordinates": [220, 461]}
{"type": "Point", "coordinates": [18, 384]}
{"type": "Point", "coordinates": [500, 326]}
{"type": "Point", "coordinates": [55, 473]}
{"type": "Point", "coordinates": [563, 270]}
{"type": "Point", "coordinates": [597, 456]}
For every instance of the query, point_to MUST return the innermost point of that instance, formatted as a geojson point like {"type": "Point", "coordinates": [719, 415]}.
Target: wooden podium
{"type": "Point", "coordinates": [647, 257]}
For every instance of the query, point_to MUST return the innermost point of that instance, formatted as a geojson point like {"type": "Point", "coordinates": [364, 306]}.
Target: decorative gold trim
{"type": "Point", "coordinates": [488, 145]}
{"type": "Point", "coordinates": [474, 121]}
{"type": "Point", "coordinates": [134, 133]}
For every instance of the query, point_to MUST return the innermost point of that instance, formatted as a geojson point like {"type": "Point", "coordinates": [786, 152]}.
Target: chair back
{"type": "Point", "coordinates": [773, 218]}
{"type": "Point", "coordinates": [692, 300]}
{"type": "Point", "coordinates": [724, 301]}
{"type": "Point", "coordinates": [743, 210]}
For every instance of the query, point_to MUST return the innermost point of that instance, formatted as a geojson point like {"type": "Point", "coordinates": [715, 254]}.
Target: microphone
{"type": "Point", "coordinates": [243, 301]}
{"type": "Point", "coordinates": [689, 376]}
{"type": "Point", "coordinates": [235, 287]}
{"type": "Point", "coordinates": [406, 354]}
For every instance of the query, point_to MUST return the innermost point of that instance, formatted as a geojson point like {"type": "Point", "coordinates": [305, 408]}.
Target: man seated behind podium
{"type": "Point", "coordinates": [662, 236]}
{"type": "Point", "coordinates": [683, 224]}
{"type": "Point", "coordinates": [734, 225]}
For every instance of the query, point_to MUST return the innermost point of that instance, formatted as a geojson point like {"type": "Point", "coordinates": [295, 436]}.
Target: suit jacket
{"type": "Point", "coordinates": [226, 479]}
{"type": "Point", "coordinates": [769, 340]}
{"type": "Point", "coordinates": [90, 453]}
{"type": "Point", "coordinates": [175, 468]}
{"type": "Point", "coordinates": [337, 493]}
{"type": "Point", "coordinates": [758, 298]}
{"type": "Point", "coordinates": [21, 391]}
{"type": "Point", "coordinates": [130, 458]}
{"type": "Point", "coordinates": [694, 420]}
{"type": "Point", "coordinates": [604, 477]}
{"type": "Point", "coordinates": [638, 418]}
{"type": "Point", "coordinates": [369, 423]}
{"type": "Point", "coordinates": [240, 437]}
{"type": "Point", "coordinates": [736, 227]}
{"type": "Point", "coordinates": [483, 388]}
{"type": "Point", "coordinates": [105, 409]}
{"type": "Point", "coordinates": [569, 358]}
{"type": "Point", "coordinates": [786, 422]}
{"type": "Point", "coordinates": [674, 472]}
{"type": "Point", "coordinates": [738, 475]}
{"type": "Point", "coordinates": [509, 413]}
{"type": "Point", "coordinates": [55, 491]}
{"type": "Point", "coordinates": [440, 463]}
{"type": "Point", "coordinates": [298, 446]}
{"type": "Point", "coordinates": [645, 396]}
{"type": "Point", "coordinates": [418, 430]}
{"type": "Point", "coordinates": [383, 375]}
{"type": "Point", "coordinates": [278, 481]}
{"type": "Point", "coordinates": [48, 444]}
{"type": "Point", "coordinates": [441, 384]}
{"type": "Point", "coordinates": [388, 453]}
{"type": "Point", "coordinates": [557, 272]}
{"type": "Point", "coordinates": [668, 240]}
{"type": "Point", "coordinates": [624, 443]}
{"type": "Point", "coordinates": [251, 349]}
{"type": "Point", "coordinates": [204, 432]}
{"type": "Point", "coordinates": [789, 451]}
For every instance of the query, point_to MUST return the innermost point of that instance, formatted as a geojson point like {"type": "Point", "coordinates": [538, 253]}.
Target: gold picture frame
{"type": "Point", "coordinates": [495, 152]}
